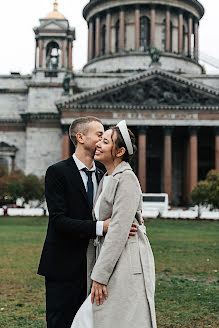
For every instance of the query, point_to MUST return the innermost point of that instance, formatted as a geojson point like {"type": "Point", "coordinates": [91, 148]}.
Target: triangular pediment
{"type": "Point", "coordinates": [52, 25]}
{"type": "Point", "coordinates": [154, 88]}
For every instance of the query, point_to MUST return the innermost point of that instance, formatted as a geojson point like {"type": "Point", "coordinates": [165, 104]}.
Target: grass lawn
{"type": "Point", "coordinates": [186, 255]}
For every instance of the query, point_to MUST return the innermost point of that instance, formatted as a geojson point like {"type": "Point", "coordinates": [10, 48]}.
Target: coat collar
{"type": "Point", "coordinates": [123, 166]}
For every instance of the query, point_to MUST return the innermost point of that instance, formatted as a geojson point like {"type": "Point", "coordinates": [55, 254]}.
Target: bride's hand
{"type": "Point", "coordinates": [97, 292]}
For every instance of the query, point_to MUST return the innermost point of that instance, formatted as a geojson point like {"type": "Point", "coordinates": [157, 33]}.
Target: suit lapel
{"type": "Point", "coordinates": [76, 179]}
{"type": "Point", "coordinates": [99, 175]}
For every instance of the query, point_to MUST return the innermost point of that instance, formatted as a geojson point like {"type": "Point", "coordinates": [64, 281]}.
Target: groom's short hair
{"type": "Point", "coordinates": [81, 125]}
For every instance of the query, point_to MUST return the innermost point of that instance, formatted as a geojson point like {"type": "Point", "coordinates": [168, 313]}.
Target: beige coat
{"type": "Point", "coordinates": [125, 265]}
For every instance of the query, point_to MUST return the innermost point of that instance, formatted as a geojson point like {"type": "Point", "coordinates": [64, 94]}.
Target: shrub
{"type": "Point", "coordinates": [207, 191]}
{"type": "Point", "coordinates": [16, 185]}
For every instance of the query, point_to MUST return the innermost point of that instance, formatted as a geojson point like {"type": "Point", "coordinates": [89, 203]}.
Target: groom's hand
{"type": "Point", "coordinates": [133, 230]}
{"type": "Point", "coordinates": [106, 225]}
{"type": "Point", "coordinates": [97, 292]}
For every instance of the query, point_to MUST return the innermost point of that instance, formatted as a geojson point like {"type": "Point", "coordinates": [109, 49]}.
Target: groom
{"type": "Point", "coordinates": [70, 188]}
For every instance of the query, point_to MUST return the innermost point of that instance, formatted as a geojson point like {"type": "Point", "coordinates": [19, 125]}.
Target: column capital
{"type": "Point", "coordinates": [122, 8]}
{"type": "Point", "coordinates": [216, 130]}
{"type": "Point", "coordinates": [137, 6]}
{"type": "Point", "coordinates": [168, 130]}
{"type": "Point", "coordinates": [65, 129]}
{"type": "Point", "coordinates": [193, 130]}
{"type": "Point", "coordinates": [142, 129]}
{"type": "Point", "coordinates": [152, 6]}
{"type": "Point", "coordinates": [167, 8]}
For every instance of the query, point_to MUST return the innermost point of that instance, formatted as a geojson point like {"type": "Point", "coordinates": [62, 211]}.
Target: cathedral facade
{"type": "Point", "coordinates": [143, 66]}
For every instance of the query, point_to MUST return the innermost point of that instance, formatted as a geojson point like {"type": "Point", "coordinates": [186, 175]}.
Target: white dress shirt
{"type": "Point", "coordinates": [81, 166]}
{"type": "Point", "coordinates": [106, 179]}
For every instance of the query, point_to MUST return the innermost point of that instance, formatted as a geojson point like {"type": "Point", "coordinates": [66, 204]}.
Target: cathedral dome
{"type": "Point", "coordinates": [125, 34]}
{"type": "Point", "coordinates": [55, 14]}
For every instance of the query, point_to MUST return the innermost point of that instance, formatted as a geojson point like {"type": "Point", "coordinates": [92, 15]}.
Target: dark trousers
{"type": "Point", "coordinates": [63, 299]}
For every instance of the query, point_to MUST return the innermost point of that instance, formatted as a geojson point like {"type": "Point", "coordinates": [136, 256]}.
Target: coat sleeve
{"type": "Point", "coordinates": [55, 197]}
{"type": "Point", "coordinates": [125, 205]}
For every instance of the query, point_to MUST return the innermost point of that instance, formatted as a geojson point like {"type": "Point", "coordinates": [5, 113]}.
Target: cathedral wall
{"type": "Point", "coordinates": [140, 62]}
{"type": "Point", "coordinates": [44, 147]}
{"type": "Point", "coordinates": [14, 82]}
{"type": "Point", "coordinates": [12, 104]}
{"type": "Point", "coordinates": [42, 99]}
{"type": "Point", "coordinates": [91, 81]}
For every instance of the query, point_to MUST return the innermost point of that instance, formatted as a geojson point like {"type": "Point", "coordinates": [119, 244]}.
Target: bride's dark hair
{"type": "Point", "coordinates": [119, 142]}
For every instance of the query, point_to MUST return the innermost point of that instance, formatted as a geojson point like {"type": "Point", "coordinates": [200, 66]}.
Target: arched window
{"type": "Point", "coordinates": [117, 35]}
{"type": "Point", "coordinates": [163, 40]}
{"type": "Point", "coordinates": [184, 39]}
{"type": "Point", "coordinates": [103, 39]}
{"type": "Point", "coordinates": [52, 56]}
{"type": "Point", "coordinates": [144, 33]}
{"type": "Point", "coordinates": [171, 36]}
{"type": "Point", "coordinates": [164, 35]}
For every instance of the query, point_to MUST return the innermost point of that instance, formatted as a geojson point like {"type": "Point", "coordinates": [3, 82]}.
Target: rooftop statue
{"type": "Point", "coordinates": [155, 55]}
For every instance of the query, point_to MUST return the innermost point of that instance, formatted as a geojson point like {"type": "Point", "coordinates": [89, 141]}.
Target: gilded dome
{"type": "Point", "coordinates": [55, 14]}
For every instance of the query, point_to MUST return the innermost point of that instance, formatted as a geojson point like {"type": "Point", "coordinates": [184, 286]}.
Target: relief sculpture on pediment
{"type": "Point", "coordinates": [155, 92]}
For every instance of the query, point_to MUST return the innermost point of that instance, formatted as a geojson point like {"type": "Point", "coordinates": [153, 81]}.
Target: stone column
{"type": "Point", "coordinates": [63, 52]}
{"type": "Point", "coordinates": [142, 160]}
{"type": "Point", "coordinates": [216, 130]}
{"type": "Point", "coordinates": [40, 53]}
{"type": "Point", "coordinates": [167, 46]}
{"type": "Point", "coordinates": [180, 33]}
{"type": "Point", "coordinates": [36, 54]}
{"type": "Point", "coordinates": [108, 33]}
{"type": "Point", "coordinates": [97, 36]}
{"type": "Point", "coordinates": [189, 36]}
{"type": "Point", "coordinates": [137, 28]}
{"type": "Point", "coordinates": [70, 55]}
{"type": "Point", "coordinates": [168, 162]}
{"type": "Point", "coordinates": [122, 29]}
{"type": "Point", "coordinates": [91, 41]}
{"type": "Point", "coordinates": [196, 40]}
{"type": "Point", "coordinates": [65, 142]}
{"type": "Point", "coordinates": [193, 158]}
{"type": "Point", "coordinates": [153, 17]}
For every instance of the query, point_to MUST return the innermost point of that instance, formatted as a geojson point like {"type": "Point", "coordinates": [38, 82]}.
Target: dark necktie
{"type": "Point", "coordinates": [90, 187]}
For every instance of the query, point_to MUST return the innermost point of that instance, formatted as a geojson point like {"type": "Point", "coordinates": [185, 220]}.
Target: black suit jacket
{"type": "Point", "coordinates": [70, 223]}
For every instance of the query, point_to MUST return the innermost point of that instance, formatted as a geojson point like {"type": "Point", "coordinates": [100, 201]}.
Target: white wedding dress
{"type": "Point", "coordinates": [84, 316]}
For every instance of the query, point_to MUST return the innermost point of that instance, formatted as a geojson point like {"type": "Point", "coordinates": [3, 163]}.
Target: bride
{"type": "Point", "coordinates": [121, 273]}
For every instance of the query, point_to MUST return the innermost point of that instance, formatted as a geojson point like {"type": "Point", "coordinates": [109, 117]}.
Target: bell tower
{"type": "Point", "coordinates": [54, 43]}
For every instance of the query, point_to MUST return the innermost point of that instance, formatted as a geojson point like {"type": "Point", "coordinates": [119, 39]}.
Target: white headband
{"type": "Point", "coordinates": [126, 137]}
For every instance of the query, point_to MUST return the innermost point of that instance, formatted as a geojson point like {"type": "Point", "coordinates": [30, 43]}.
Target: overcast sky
{"type": "Point", "coordinates": [17, 19]}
